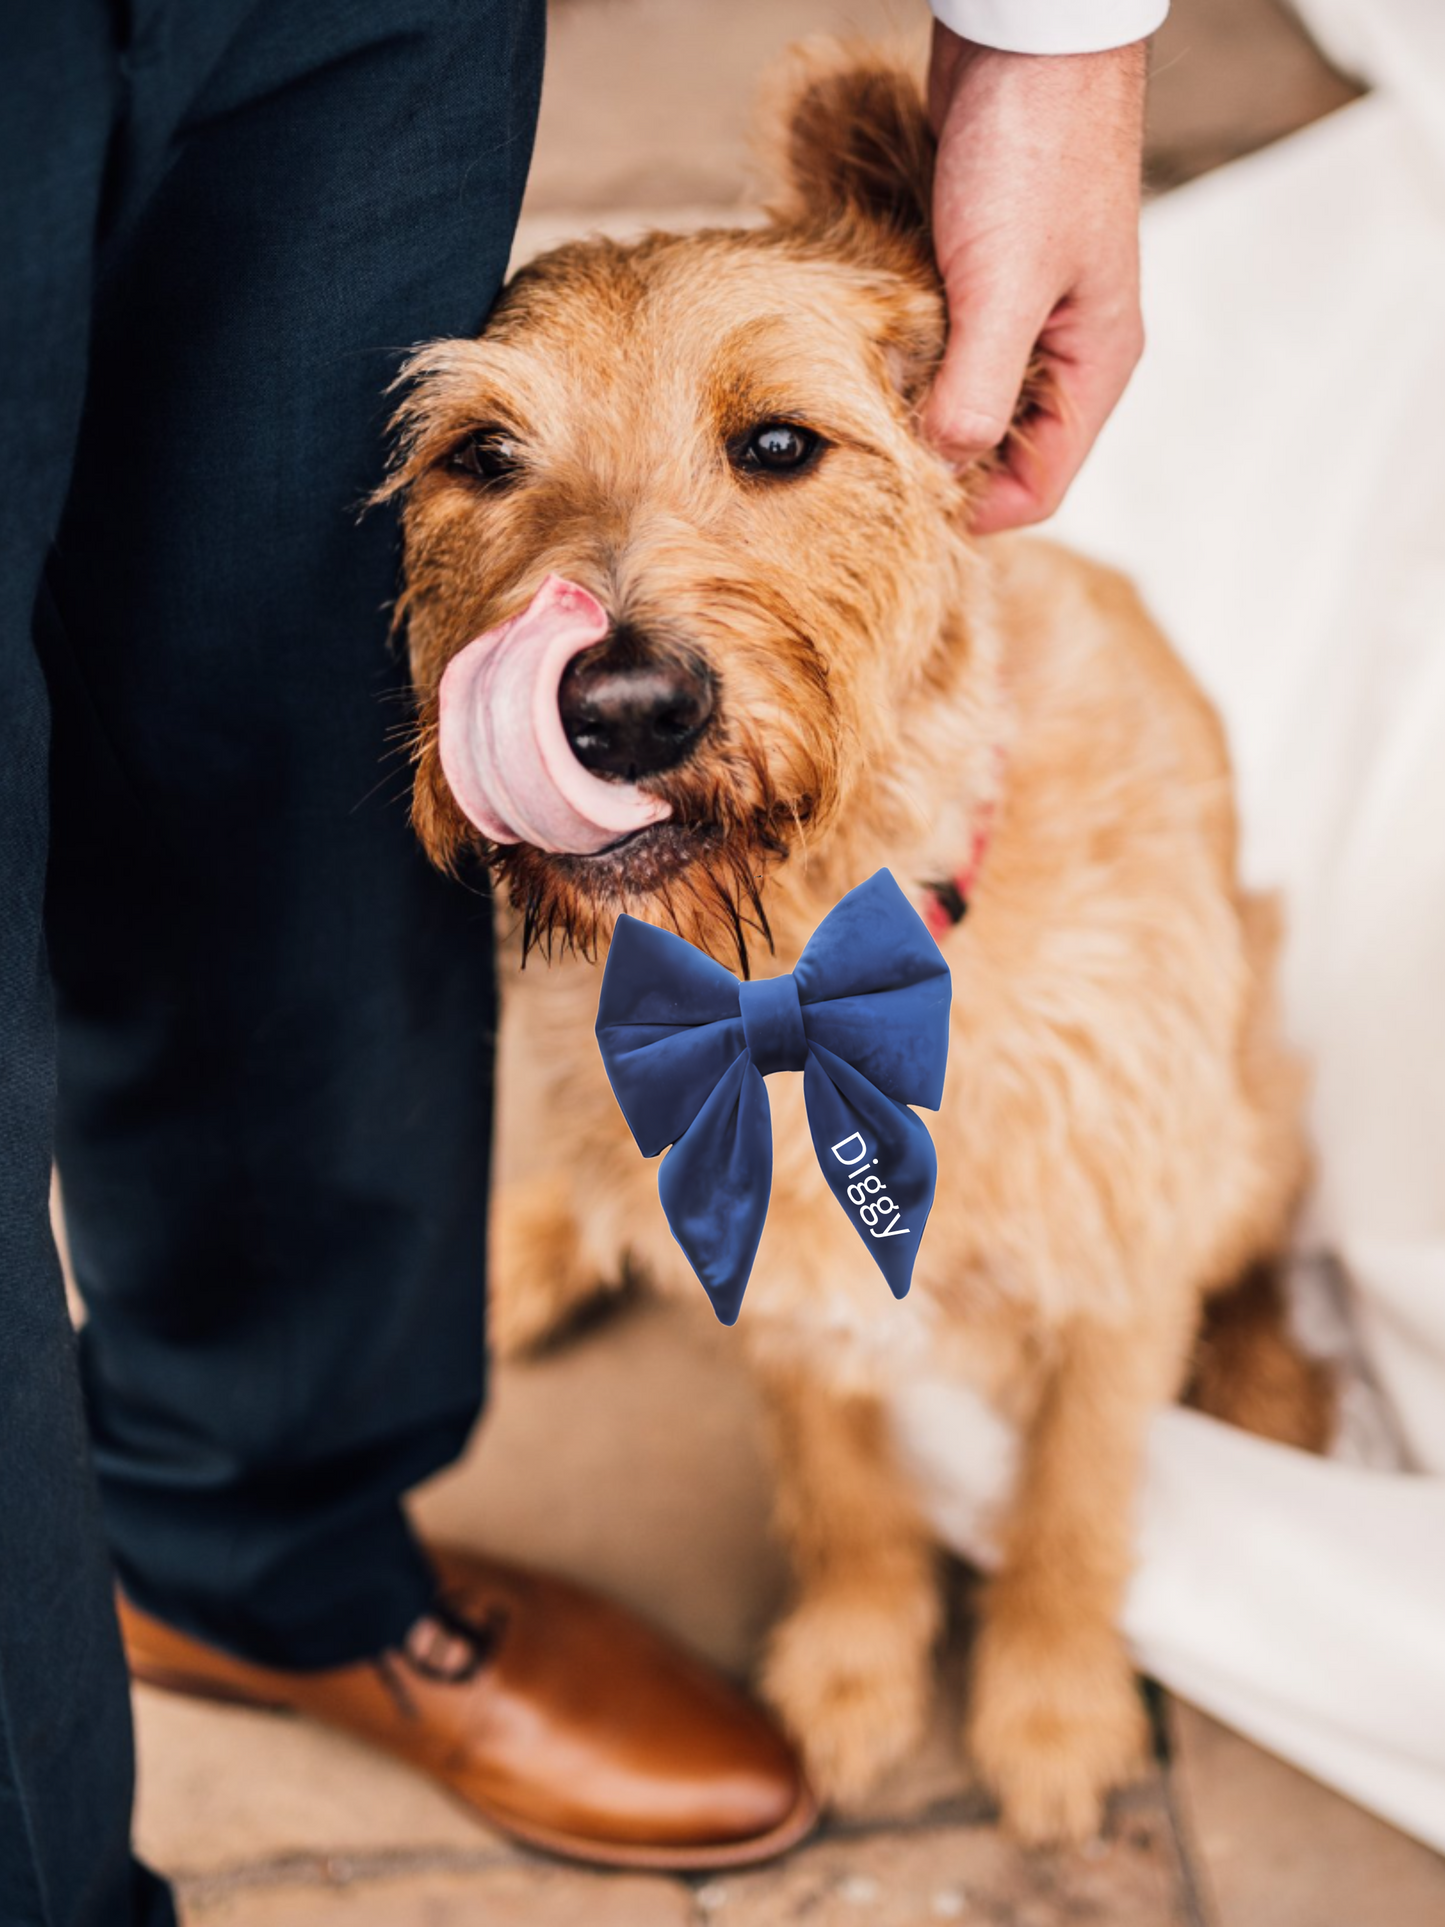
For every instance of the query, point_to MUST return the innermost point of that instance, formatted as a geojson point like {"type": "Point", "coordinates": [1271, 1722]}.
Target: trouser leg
{"type": "Point", "coordinates": [65, 1741]}
{"type": "Point", "coordinates": [275, 1021]}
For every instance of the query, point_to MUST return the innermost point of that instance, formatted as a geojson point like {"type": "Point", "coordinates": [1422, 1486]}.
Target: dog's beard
{"type": "Point", "coordinates": [700, 872]}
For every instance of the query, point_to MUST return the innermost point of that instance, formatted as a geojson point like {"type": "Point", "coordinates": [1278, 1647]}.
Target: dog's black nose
{"type": "Point", "coordinates": [630, 712]}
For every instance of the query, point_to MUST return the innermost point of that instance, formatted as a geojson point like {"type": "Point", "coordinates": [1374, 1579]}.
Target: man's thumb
{"type": "Point", "coordinates": [977, 387]}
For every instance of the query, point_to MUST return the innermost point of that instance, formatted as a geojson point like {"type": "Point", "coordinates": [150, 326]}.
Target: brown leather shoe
{"type": "Point", "coordinates": [568, 1723]}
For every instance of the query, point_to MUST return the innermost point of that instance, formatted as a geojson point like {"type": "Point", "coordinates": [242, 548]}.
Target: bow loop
{"type": "Point", "coordinates": [876, 992]}
{"type": "Point", "coordinates": [864, 1017]}
{"type": "Point", "coordinates": [668, 1026]}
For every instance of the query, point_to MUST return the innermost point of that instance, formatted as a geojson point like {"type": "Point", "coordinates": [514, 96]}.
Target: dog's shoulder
{"type": "Point", "coordinates": [1084, 659]}
{"type": "Point", "coordinates": [1061, 610]}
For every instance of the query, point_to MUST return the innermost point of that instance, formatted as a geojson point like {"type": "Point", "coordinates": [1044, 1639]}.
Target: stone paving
{"type": "Point", "coordinates": [593, 1460]}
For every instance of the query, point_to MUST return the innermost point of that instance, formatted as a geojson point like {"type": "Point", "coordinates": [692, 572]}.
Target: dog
{"type": "Point", "coordinates": [808, 670]}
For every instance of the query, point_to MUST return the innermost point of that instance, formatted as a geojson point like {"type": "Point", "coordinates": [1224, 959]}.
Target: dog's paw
{"type": "Point", "coordinates": [538, 1280]}
{"type": "Point", "coordinates": [1053, 1728]}
{"type": "Point", "coordinates": [850, 1677]}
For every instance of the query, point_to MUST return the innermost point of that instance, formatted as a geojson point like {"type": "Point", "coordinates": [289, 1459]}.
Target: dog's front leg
{"type": "Point", "coordinates": [1055, 1717]}
{"type": "Point", "coordinates": [541, 1274]}
{"type": "Point", "coordinates": [552, 1251]}
{"type": "Point", "coordinates": [849, 1669]}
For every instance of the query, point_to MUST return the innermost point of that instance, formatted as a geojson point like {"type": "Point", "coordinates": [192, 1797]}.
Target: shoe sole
{"type": "Point", "coordinates": [566, 1846]}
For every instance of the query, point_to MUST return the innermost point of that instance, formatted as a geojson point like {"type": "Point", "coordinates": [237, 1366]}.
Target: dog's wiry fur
{"type": "Point", "coordinates": [1120, 1135]}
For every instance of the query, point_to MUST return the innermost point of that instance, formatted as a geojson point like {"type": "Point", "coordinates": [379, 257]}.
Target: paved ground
{"type": "Point", "coordinates": [593, 1462]}
{"type": "Point", "coordinates": [596, 1460]}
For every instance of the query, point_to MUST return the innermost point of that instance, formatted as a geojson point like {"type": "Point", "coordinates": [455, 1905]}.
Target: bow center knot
{"type": "Point", "coordinates": [773, 1024]}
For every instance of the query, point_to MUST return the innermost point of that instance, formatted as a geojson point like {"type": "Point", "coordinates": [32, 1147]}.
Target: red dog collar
{"type": "Point", "coordinates": [945, 904]}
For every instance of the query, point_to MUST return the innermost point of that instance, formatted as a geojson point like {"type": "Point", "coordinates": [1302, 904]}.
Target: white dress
{"type": "Point", "coordinates": [1275, 482]}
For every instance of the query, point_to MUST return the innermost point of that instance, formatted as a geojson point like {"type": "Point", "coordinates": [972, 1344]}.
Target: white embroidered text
{"type": "Point", "coordinates": [868, 1192]}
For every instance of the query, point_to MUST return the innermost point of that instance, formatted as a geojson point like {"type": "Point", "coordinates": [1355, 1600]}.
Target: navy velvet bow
{"type": "Point", "coordinates": [864, 1017]}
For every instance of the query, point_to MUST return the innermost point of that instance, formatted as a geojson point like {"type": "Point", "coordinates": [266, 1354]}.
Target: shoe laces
{"type": "Point", "coordinates": [450, 1644]}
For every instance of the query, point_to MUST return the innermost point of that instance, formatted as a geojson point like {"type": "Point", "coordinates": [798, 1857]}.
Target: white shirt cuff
{"type": "Point", "coordinates": [1052, 26]}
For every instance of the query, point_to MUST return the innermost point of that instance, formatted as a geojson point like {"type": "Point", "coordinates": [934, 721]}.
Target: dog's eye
{"type": "Point", "coordinates": [776, 448]}
{"type": "Point", "coordinates": [487, 455]}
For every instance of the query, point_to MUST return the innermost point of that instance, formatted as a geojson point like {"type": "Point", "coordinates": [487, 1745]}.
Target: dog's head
{"type": "Point", "coordinates": [712, 441]}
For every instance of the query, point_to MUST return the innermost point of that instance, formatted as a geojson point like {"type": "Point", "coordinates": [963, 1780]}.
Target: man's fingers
{"type": "Point", "coordinates": [1033, 476]}
{"type": "Point", "coordinates": [1041, 460]}
{"type": "Point", "coordinates": [976, 389]}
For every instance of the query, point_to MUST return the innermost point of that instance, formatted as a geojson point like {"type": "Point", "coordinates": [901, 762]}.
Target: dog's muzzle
{"type": "Point", "coordinates": [505, 751]}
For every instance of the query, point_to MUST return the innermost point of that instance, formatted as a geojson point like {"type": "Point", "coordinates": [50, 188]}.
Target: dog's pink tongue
{"type": "Point", "coordinates": [504, 751]}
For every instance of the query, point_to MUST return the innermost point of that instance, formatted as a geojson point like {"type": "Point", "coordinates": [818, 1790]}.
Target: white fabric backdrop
{"type": "Point", "coordinates": [1275, 481]}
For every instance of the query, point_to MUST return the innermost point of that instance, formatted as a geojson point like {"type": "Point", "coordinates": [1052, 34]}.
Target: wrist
{"type": "Point", "coordinates": [1113, 79]}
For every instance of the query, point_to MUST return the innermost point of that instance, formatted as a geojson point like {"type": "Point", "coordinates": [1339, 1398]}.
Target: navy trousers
{"type": "Point", "coordinates": [251, 1026]}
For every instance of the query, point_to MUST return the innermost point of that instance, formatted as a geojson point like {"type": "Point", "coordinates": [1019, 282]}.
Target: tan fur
{"type": "Point", "coordinates": [1120, 1134]}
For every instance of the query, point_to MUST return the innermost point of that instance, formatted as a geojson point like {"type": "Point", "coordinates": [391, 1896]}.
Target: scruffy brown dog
{"type": "Point", "coordinates": [822, 674]}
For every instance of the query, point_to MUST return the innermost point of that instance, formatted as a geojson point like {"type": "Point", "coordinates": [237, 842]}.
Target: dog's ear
{"type": "Point", "coordinates": [849, 152]}
{"type": "Point", "coordinates": [847, 142]}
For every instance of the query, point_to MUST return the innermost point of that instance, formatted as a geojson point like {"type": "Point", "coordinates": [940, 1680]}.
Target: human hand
{"type": "Point", "coordinates": [1036, 230]}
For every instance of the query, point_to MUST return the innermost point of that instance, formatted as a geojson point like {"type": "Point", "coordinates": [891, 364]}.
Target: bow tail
{"type": "Point", "coordinates": [877, 1158]}
{"type": "Point", "coordinates": [715, 1183]}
